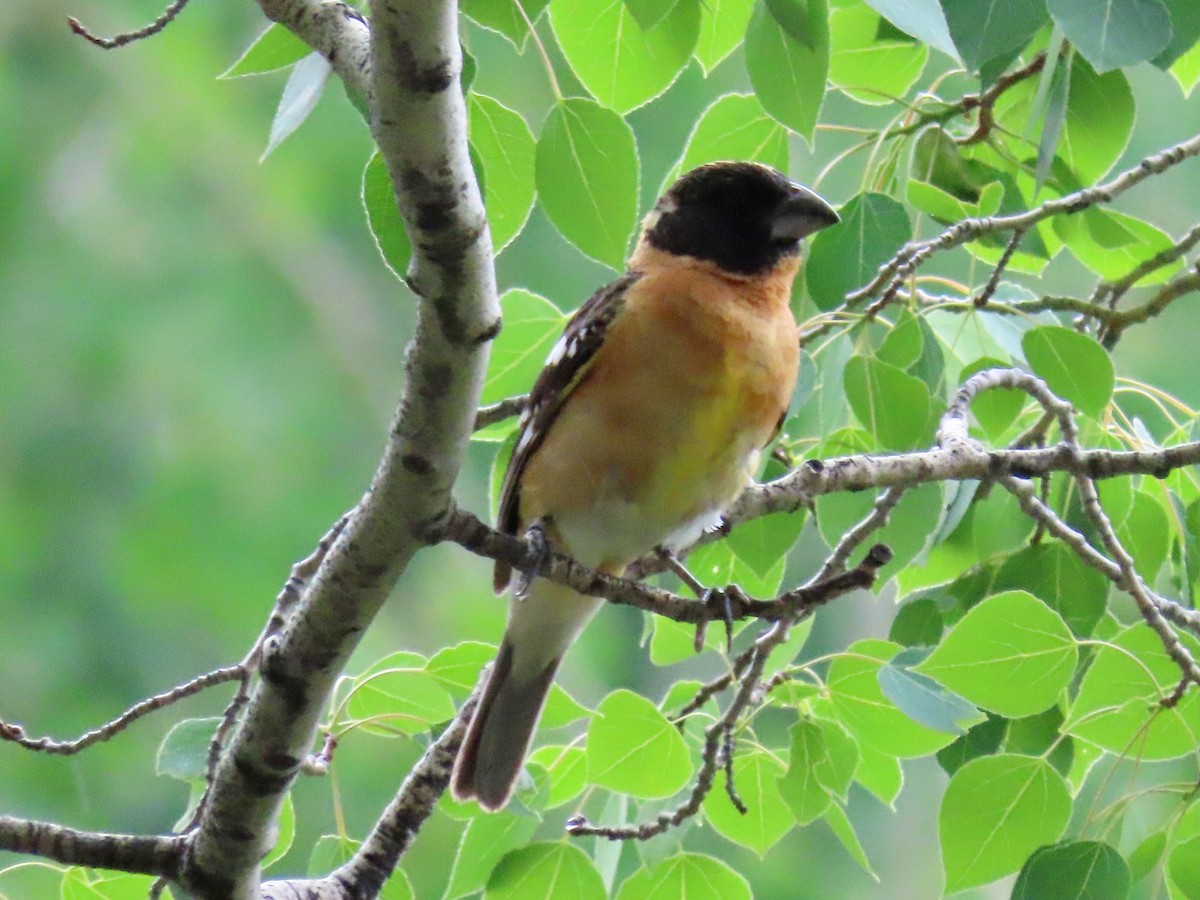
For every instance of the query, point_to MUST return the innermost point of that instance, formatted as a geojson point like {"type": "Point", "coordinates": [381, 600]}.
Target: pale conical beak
{"type": "Point", "coordinates": [800, 214]}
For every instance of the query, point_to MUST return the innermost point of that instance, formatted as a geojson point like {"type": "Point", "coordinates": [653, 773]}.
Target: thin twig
{"type": "Point", "coordinates": [895, 271]}
{"type": "Point", "coordinates": [128, 37]}
{"type": "Point", "coordinates": [16, 734]}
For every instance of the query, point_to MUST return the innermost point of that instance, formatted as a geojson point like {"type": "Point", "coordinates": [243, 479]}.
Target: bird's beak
{"type": "Point", "coordinates": [800, 214]}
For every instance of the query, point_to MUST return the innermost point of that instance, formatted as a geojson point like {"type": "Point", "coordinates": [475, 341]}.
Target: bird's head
{"type": "Point", "coordinates": [744, 217]}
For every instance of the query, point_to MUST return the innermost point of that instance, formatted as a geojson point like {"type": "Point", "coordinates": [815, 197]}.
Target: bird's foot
{"type": "Point", "coordinates": [544, 553]}
{"type": "Point", "coordinates": [718, 605]}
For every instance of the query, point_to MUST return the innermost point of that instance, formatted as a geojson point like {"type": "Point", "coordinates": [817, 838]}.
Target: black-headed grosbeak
{"type": "Point", "coordinates": [646, 423]}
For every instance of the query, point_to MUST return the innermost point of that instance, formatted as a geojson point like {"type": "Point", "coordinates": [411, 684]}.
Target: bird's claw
{"type": "Point", "coordinates": [536, 535]}
{"type": "Point", "coordinates": [718, 604]}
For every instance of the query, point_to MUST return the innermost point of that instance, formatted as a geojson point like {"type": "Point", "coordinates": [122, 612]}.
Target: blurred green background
{"type": "Point", "coordinates": [199, 355]}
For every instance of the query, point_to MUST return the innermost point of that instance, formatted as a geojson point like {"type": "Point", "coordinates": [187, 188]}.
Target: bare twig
{"type": "Point", "coordinates": [468, 531]}
{"type": "Point", "coordinates": [993, 282]}
{"type": "Point", "coordinates": [892, 274]}
{"type": "Point", "coordinates": [1164, 297]}
{"type": "Point", "coordinates": [498, 412]}
{"type": "Point", "coordinates": [16, 734]}
{"type": "Point", "coordinates": [128, 37]}
{"type": "Point", "coordinates": [1112, 291]}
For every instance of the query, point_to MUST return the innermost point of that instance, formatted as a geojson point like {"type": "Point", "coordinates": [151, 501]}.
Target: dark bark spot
{"type": "Point", "coordinates": [260, 783]}
{"type": "Point", "coordinates": [428, 78]}
{"type": "Point", "coordinates": [282, 761]}
{"type": "Point", "coordinates": [416, 464]}
{"type": "Point", "coordinates": [294, 690]}
{"type": "Point", "coordinates": [491, 332]}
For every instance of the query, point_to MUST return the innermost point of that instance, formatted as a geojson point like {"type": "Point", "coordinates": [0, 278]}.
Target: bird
{"type": "Point", "coordinates": [647, 421]}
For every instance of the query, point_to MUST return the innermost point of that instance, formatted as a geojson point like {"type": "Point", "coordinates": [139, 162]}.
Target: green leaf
{"type": "Point", "coordinates": [923, 700]}
{"type": "Point", "coordinates": [587, 178]}
{"type": "Point", "coordinates": [735, 126]}
{"type": "Point", "coordinates": [717, 565]}
{"type": "Point", "coordinates": [891, 404]}
{"type": "Point", "coordinates": [762, 542]}
{"type": "Point", "coordinates": [999, 525]}
{"type": "Point", "coordinates": [273, 49]}
{"type": "Point", "coordinates": [545, 871]}
{"type": "Point", "coordinates": [299, 98]}
{"type": "Point", "coordinates": [839, 823]}
{"type": "Point", "coordinates": [506, 147]}
{"type": "Point", "coordinates": [621, 65]}
{"type": "Point", "coordinates": [1074, 365]}
{"type": "Point", "coordinates": [911, 524]}
{"type": "Point", "coordinates": [183, 753]}
{"type": "Point", "coordinates": [567, 768]}
{"type": "Point", "coordinates": [1117, 707]}
{"type": "Point", "coordinates": [1100, 115]}
{"type": "Point", "coordinates": [503, 17]}
{"type": "Point", "coordinates": [396, 694]}
{"type": "Point", "coordinates": [1185, 31]}
{"type": "Point", "coordinates": [1084, 870]}
{"type": "Point", "coordinates": [34, 879]}
{"type": "Point", "coordinates": [1112, 34]}
{"type": "Point", "coordinates": [904, 342]}
{"type": "Point", "coordinates": [873, 228]}
{"type": "Point", "coordinates": [485, 840]}
{"type": "Point", "coordinates": [789, 76]}
{"type": "Point", "coordinates": [768, 818]}
{"type": "Point", "coordinates": [457, 668]}
{"type": "Point", "coordinates": [984, 30]}
{"type": "Point", "coordinates": [86, 884]}
{"type": "Point", "coordinates": [562, 709]}
{"type": "Point", "coordinates": [1183, 865]}
{"type": "Point", "coordinates": [923, 19]}
{"type": "Point", "coordinates": [1054, 573]}
{"type": "Point", "coordinates": [1052, 124]}
{"type": "Point", "coordinates": [799, 786]}
{"type": "Point", "coordinates": [1186, 70]}
{"type": "Point", "coordinates": [722, 27]}
{"type": "Point", "coordinates": [1111, 244]}
{"type": "Point", "coordinates": [632, 748]}
{"type": "Point", "coordinates": [531, 326]}
{"type": "Point", "coordinates": [329, 852]}
{"type": "Point", "coordinates": [1147, 855]}
{"type": "Point", "coordinates": [691, 875]}
{"type": "Point", "coordinates": [285, 833]}
{"type": "Point", "coordinates": [995, 812]}
{"type": "Point", "coordinates": [982, 739]}
{"type": "Point", "coordinates": [383, 216]}
{"type": "Point", "coordinates": [1146, 534]}
{"type": "Point", "coordinates": [648, 13]}
{"type": "Point", "coordinates": [917, 624]}
{"type": "Point", "coordinates": [1011, 654]}
{"type": "Point", "coordinates": [860, 705]}
{"type": "Point", "coordinates": [865, 66]}
{"type": "Point", "coordinates": [880, 773]}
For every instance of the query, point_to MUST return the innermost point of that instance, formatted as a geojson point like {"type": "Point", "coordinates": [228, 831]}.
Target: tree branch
{"type": "Point", "coordinates": [337, 31]}
{"type": "Point", "coordinates": [376, 858]}
{"type": "Point", "coordinates": [158, 855]}
{"type": "Point", "coordinates": [414, 78]}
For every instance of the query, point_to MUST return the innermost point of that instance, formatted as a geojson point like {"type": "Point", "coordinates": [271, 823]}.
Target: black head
{"type": "Point", "coordinates": [743, 216]}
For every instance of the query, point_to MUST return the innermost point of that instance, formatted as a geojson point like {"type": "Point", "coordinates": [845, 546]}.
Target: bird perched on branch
{"type": "Point", "coordinates": [647, 421]}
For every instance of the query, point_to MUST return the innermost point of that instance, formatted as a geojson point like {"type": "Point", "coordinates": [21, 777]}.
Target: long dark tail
{"type": "Point", "coordinates": [500, 732]}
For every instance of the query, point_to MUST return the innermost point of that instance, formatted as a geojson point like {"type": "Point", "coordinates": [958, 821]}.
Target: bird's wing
{"type": "Point", "coordinates": [566, 366]}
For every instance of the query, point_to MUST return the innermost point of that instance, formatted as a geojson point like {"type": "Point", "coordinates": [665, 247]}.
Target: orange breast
{"type": "Point", "coordinates": [689, 384]}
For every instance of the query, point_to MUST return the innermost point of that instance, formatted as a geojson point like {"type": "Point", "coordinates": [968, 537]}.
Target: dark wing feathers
{"type": "Point", "coordinates": [566, 366]}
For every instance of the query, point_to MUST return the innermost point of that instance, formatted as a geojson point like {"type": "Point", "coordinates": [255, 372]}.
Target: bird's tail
{"type": "Point", "coordinates": [540, 628]}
